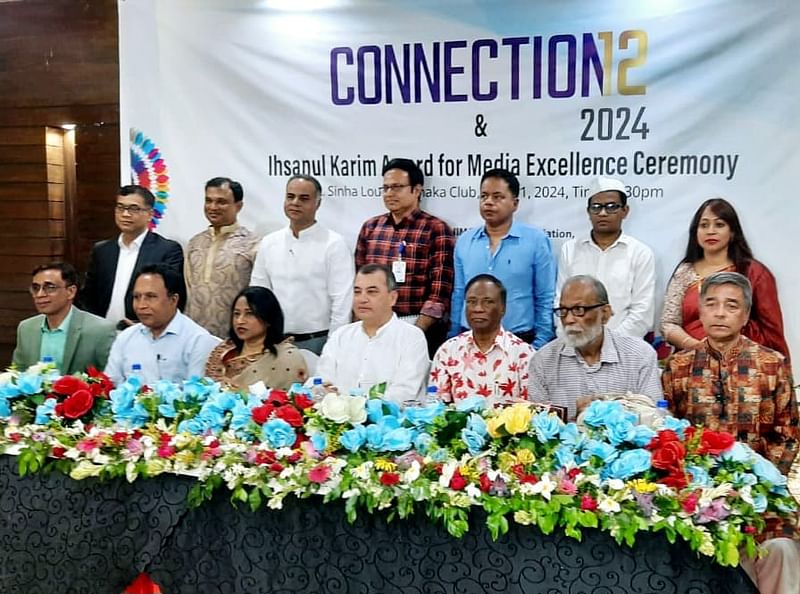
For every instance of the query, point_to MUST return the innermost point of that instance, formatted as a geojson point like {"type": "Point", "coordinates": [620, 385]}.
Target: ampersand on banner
{"type": "Point", "coordinates": [480, 126]}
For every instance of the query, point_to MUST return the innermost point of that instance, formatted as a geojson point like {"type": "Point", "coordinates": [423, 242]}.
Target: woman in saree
{"type": "Point", "coordinates": [717, 243]}
{"type": "Point", "coordinates": [256, 349]}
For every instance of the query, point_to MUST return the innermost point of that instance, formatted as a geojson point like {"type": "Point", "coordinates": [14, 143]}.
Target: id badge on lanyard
{"type": "Point", "coordinates": [399, 265]}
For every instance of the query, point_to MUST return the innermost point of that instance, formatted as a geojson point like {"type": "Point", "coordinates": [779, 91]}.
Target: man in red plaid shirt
{"type": "Point", "coordinates": [418, 247]}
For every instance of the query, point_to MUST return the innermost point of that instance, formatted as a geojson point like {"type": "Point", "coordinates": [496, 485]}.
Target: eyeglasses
{"type": "Point", "coordinates": [576, 310]}
{"type": "Point", "coordinates": [609, 207]}
{"type": "Point", "coordinates": [130, 208]}
{"type": "Point", "coordinates": [394, 188]}
{"type": "Point", "coordinates": [46, 288]}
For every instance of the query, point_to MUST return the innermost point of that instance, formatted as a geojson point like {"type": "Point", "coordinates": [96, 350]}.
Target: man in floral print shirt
{"type": "Point", "coordinates": [486, 360]}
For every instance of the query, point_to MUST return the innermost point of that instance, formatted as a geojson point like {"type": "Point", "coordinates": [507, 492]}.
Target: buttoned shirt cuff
{"type": "Point", "coordinates": [433, 309]}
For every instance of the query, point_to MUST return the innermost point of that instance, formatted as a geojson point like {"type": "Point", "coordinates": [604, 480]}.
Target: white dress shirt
{"type": "Point", "coordinates": [128, 254]}
{"type": "Point", "coordinates": [397, 355]}
{"type": "Point", "coordinates": [311, 275]}
{"type": "Point", "coordinates": [627, 268]}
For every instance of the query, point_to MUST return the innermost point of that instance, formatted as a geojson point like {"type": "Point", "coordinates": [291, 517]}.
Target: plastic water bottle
{"type": "Point", "coordinates": [47, 359]}
{"type": "Point", "coordinates": [135, 376]}
{"type": "Point", "coordinates": [317, 390]}
{"type": "Point", "coordinates": [661, 413]}
{"type": "Point", "coordinates": [431, 395]}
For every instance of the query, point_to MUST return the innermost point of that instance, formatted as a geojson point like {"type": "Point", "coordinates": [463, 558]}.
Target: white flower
{"type": "Point", "coordinates": [7, 377]}
{"type": "Point", "coordinates": [709, 495]}
{"type": "Point", "coordinates": [362, 471]}
{"type": "Point", "coordinates": [746, 494]}
{"type": "Point", "coordinates": [526, 489]}
{"type": "Point", "coordinates": [130, 472]}
{"type": "Point", "coordinates": [412, 474]}
{"type": "Point", "coordinates": [99, 458]}
{"type": "Point", "coordinates": [615, 484]}
{"type": "Point", "coordinates": [592, 479]}
{"type": "Point", "coordinates": [544, 487]}
{"type": "Point", "coordinates": [473, 491]}
{"type": "Point", "coordinates": [344, 409]}
{"type": "Point", "coordinates": [354, 492]}
{"type": "Point", "coordinates": [608, 505]}
{"type": "Point", "coordinates": [258, 389]}
{"type": "Point", "coordinates": [447, 473]}
{"type": "Point", "coordinates": [275, 503]}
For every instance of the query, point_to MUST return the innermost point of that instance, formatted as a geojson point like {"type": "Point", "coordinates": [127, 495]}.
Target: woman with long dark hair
{"type": "Point", "coordinates": [256, 348]}
{"type": "Point", "coordinates": [717, 243]}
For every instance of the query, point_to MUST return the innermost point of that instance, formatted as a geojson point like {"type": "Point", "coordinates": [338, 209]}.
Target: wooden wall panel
{"type": "Point", "coordinates": [58, 65]}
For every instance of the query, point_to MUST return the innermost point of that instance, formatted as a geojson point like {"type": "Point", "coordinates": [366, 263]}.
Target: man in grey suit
{"type": "Point", "coordinates": [73, 338]}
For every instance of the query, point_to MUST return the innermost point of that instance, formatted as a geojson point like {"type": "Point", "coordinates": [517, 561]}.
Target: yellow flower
{"type": "Point", "coordinates": [522, 517]}
{"type": "Point", "coordinates": [186, 457]}
{"type": "Point", "coordinates": [155, 466]}
{"type": "Point", "coordinates": [642, 486]}
{"type": "Point", "coordinates": [505, 461]}
{"type": "Point", "coordinates": [525, 456]}
{"type": "Point", "coordinates": [517, 418]}
{"type": "Point", "coordinates": [85, 469]}
{"type": "Point", "coordinates": [493, 425]}
{"type": "Point", "coordinates": [385, 465]}
{"type": "Point", "coordinates": [470, 473]}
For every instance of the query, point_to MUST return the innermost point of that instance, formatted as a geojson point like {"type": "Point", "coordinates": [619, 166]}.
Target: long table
{"type": "Point", "coordinates": [58, 535]}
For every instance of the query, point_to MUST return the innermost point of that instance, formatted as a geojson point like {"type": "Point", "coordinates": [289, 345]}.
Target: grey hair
{"type": "Point", "coordinates": [372, 268]}
{"type": "Point", "coordinates": [729, 278]}
{"type": "Point", "coordinates": [599, 288]}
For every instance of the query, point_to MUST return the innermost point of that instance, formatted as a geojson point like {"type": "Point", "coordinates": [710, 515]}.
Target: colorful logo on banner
{"type": "Point", "coordinates": [149, 170]}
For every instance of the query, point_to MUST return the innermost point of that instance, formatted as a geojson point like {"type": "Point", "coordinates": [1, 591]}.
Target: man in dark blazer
{"type": "Point", "coordinates": [115, 263]}
{"type": "Point", "coordinates": [72, 338]}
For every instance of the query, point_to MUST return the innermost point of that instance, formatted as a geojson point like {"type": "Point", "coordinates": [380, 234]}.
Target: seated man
{"type": "Point", "coordinates": [166, 343]}
{"type": "Point", "coordinates": [589, 359]}
{"type": "Point", "coordinates": [73, 338]}
{"type": "Point", "coordinates": [730, 383]}
{"type": "Point", "coordinates": [379, 347]}
{"type": "Point", "coordinates": [486, 360]}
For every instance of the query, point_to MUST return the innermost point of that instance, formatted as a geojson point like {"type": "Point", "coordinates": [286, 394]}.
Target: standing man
{"type": "Point", "coordinates": [75, 339]}
{"type": "Point", "coordinates": [418, 248]}
{"type": "Point", "coordinates": [519, 255]}
{"type": "Point", "coordinates": [486, 360]}
{"type": "Point", "coordinates": [308, 267]}
{"type": "Point", "coordinates": [623, 264]}
{"type": "Point", "coordinates": [730, 383]}
{"type": "Point", "coordinates": [220, 259]}
{"type": "Point", "coordinates": [166, 343]}
{"type": "Point", "coordinates": [113, 265]}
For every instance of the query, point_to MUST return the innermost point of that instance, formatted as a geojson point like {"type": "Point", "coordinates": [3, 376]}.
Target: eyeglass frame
{"type": "Point", "coordinates": [133, 209]}
{"type": "Point", "coordinates": [394, 188]}
{"type": "Point", "coordinates": [609, 207]}
{"type": "Point", "coordinates": [557, 311]}
{"type": "Point", "coordinates": [48, 288]}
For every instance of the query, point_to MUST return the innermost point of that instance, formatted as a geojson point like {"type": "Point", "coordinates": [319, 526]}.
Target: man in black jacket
{"type": "Point", "coordinates": [114, 264]}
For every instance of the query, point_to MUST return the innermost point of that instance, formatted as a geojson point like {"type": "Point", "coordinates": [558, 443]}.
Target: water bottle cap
{"type": "Point", "coordinates": [47, 359]}
{"type": "Point", "coordinates": [136, 367]}
{"type": "Point", "coordinates": [662, 404]}
{"type": "Point", "coordinates": [317, 381]}
{"type": "Point", "coordinates": [432, 389]}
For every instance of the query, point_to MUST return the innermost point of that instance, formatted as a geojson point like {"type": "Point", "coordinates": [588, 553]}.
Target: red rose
{"type": "Point", "coordinates": [572, 473]}
{"type": "Point", "coordinates": [457, 482]}
{"type": "Point", "coordinates": [294, 457]}
{"type": "Point", "coordinates": [119, 437]}
{"type": "Point", "coordinates": [588, 503]}
{"type": "Point", "coordinates": [261, 413]}
{"type": "Point", "coordinates": [303, 402]}
{"type": "Point", "coordinates": [277, 397]}
{"type": "Point", "coordinates": [265, 458]}
{"type": "Point", "coordinates": [290, 414]}
{"type": "Point", "coordinates": [688, 433]}
{"type": "Point", "coordinates": [389, 478]}
{"type": "Point", "coordinates": [101, 384]}
{"type": "Point", "coordinates": [669, 456]}
{"type": "Point", "coordinates": [676, 479]}
{"type": "Point", "coordinates": [531, 479]}
{"type": "Point", "coordinates": [15, 437]}
{"type": "Point", "coordinates": [276, 467]}
{"type": "Point", "coordinates": [663, 437]}
{"type": "Point", "coordinates": [58, 452]}
{"type": "Point", "coordinates": [164, 438]}
{"type": "Point", "coordinates": [301, 437]}
{"type": "Point", "coordinates": [59, 409]}
{"type": "Point", "coordinates": [166, 451]}
{"type": "Point", "coordinates": [485, 483]}
{"type": "Point", "coordinates": [77, 405]}
{"type": "Point", "coordinates": [69, 384]}
{"type": "Point", "coordinates": [715, 442]}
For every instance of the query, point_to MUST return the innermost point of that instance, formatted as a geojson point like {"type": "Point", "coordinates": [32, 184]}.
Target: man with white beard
{"type": "Point", "coordinates": [590, 359]}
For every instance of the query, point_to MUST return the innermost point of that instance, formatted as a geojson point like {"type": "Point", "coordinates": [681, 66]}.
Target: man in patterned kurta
{"type": "Point", "coordinates": [220, 259]}
{"type": "Point", "coordinates": [486, 360]}
{"type": "Point", "coordinates": [730, 383]}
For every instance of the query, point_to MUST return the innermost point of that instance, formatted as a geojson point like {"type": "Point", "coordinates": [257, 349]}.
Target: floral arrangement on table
{"type": "Point", "coordinates": [518, 463]}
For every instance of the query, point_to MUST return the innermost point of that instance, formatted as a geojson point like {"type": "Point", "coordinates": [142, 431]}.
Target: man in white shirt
{"type": "Point", "coordinates": [308, 267]}
{"type": "Point", "coordinates": [379, 347]}
{"type": "Point", "coordinates": [166, 344]}
{"type": "Point", "coordinates": [623, 264]}
{"type": "Point", "coordinates": [114, 264]}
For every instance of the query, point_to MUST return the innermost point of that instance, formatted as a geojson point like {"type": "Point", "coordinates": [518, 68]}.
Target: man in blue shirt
{"type": "Point", "coordinates": [167, 344]}
{"type": "Point", "coordinates": [519, 255]}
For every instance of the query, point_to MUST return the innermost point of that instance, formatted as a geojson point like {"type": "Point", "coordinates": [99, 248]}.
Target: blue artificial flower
{"type": "Point", "coordinates": [476, 424]}
{"type": "Point", "coordinates": [319, 441]}
{"type": "Point", "coordinates": [742, 479]}
{"type": "Point", "coordinates": [30, 384]}
{"type": "Point", "coordinates": [570, 435]}
{"type": "Point", "coordinates": [471, 404]}
{"type": "Point", "coordinates": [628, 464]}
{"type": "Point", "coordinates": [604, 451]}
{"type": "Point", "coordinates": [195, 426]}
{"type": "Point", "coordinates": [278, 433]}
{"type": "Point", "coordinates": [619, 431]}
{"type": "Point", "coordinates": [242, 415]}
{"type": "Point", "coordinates": [167, 410]}
{"type": "Point", "coordinates": [354, 438]}
{"type": "Point", "coordinates": [388, 422]}
{"type": "Point", "coordinates": [767, 472]}
{"type": "Point", "coordinates": [132, 417]}
{"type": "Point", "coordinates": [679, 426]}
{"type": "Point", "coordinates": [700, 477]}
{"type": "Point", "coordinates": [739, 452]}
{"type": "Point", "coordinates": [375, 437]}
{"type": "Point", "coordinates": [760, 503]}
{"type": "Point", "coordinates": [423, 443]}
{"type": "Point", "coordinates": [565, 456]}
{"type": "Point", "coordinates": [601, 412]}
{"type": "Point", "coordinates": [423, 415]}
{"type": "Point", "coordinates": [473, 441]}
{"type": "Point", "coordinates": [5, 409]}
{"type": "Point", "coordinates": [211, 418]}
{"type": "Point", "coordinates": [547, 426]}
{"type": "Point", "coordinates": [440, 455]}
{"type": "Point", "coordinates": [398, 440]}
{"type": "Point", "coordinates": [642, 435]}
{"type": "Point", "coordinates": [44, 412]}
{"type": "Point", "coordinates": [9, 391]}
{"type": "Point", "coordinates": [378, 408]}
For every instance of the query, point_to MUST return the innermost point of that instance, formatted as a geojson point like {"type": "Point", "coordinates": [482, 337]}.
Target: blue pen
{"type": "Point", "coordinates": [401, 250]}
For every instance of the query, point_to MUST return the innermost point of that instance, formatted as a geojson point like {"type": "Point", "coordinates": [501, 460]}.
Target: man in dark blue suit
{"type": "Point", "coordinates": [114, 263]}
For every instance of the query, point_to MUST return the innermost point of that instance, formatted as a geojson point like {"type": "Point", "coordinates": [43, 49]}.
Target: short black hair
{"type": "Point", "coordinates": [505, 175]}
{"type": "Point", "coordinates": [309, 178]}
{"type": "Point", "coordinates": [391, 282]}
{"type": "Point", "coordinates": [221, 182]}
{"type": "Point", "coordinates": [173, 280]}
{"type": "Point", "coordinates": [415, 175]}
{"type": "Point", "coordinates": [491, 279]}
{"type": "Point", "coordinates": [68, 272]}
{"type": "Point", "coordinates": [266, 307]}
{"type": "Point", "coordinates": [145, 194]}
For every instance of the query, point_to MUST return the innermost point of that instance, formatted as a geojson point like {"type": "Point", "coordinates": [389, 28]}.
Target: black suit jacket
{"type": "Point", "coordinates": [96, 294]}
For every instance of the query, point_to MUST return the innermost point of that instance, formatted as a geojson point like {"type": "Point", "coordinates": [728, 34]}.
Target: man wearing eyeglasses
{"type": "Point", "coordinates": [625, 265]}
{"type": "Point", "coordinates": [114, 264]}
{"type": "Point", "coordinates": [72, 338]}
{"type": "Point", "coordinates": [730, 383]}
{"type": "Point", "coordinates": [589, 359]}
{"type": "Point", "coordinates": [416, 246]}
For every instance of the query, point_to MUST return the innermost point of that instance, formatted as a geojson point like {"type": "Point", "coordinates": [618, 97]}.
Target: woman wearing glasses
{"type": "Point", "coordinates": [717, 243]}
{"type": "Point", "coordinates": [257, 349]}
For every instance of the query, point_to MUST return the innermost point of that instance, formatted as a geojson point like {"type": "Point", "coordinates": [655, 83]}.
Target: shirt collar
{"type": "Point", "coordinates": [406, 221]}
{"type": "Point", "coordinates": [513, 230]}
{"type": "Point", "coordinates": [500, 341]}
{"type": "Point", "coordinates": [174, 327]}
{"type": "Point", "coordinates": [623, 239]}
{"type": "Point", "coordinates": [728, 355]}
{"type": "Point", "coordinates": [137, 243]}
{"type": "Point", "coordinates": [382, 329]}
{"type": "Point", "coordinates": [307, 232]}
{"type": "Point", "coordinates": [63, 326]}
{"type": "Point", "coordinates": [224, 230]}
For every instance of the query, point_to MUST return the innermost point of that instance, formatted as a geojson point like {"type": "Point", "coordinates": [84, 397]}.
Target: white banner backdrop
{"type": "Point", "coordinates": [683, 100]}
